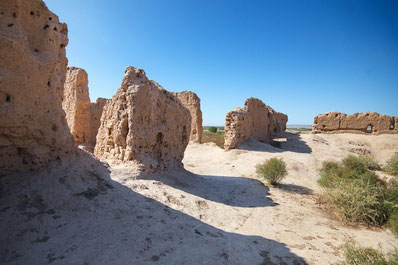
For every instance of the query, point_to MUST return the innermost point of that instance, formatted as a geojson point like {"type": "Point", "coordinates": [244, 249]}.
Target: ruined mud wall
{"type": "Point", "coordinates": [364, 123]}
{"type": "Point", "coordinates": [143, 123]}
{"type": "Point", "coordinates": [33, 129]}
{"type": "Point", "coordinates": [192, 102]}
{"type": "Point", "coordinates": [83, 117]}
{"type": "Point", "coordinates": [76, 104]}
{"type": "Point", "coordinates": [256, 120]}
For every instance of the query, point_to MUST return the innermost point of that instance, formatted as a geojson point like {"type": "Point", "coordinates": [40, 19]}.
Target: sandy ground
{"type": "Point", "coordinates": [213, 212]}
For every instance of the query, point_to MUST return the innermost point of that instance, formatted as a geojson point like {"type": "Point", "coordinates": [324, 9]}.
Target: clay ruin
{"type": "Point", "coordinates": [256, 120]}
{"type": "Point", "coordinates": [143, 123]}
{"type": "Point", "coordinates": [192, 102]}
{"type": "Point", "coordinates": [33, 129]}
{"type": "Point", "coordinates": [364, 123]}
{"type": "Point", "coordinates": [83, 117]}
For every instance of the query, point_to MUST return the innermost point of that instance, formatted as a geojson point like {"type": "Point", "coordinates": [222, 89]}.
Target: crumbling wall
{"type": "Point", "coordinates": [33, 129]}
{"type": "Point", "coordinates": [95, 119]}
{"type": "Point", "coordinates": [143, 123]}
{"type": "Point", "coordinates": [364, 123]}
{"type": "Point", "coordinates": [76, 104]}
{"type": "Point", "coordinates": [83, 117]}
{"type": "Point", "coordinates": [256, 120]}
{"type": "Point", "coordinates": [192, 102]}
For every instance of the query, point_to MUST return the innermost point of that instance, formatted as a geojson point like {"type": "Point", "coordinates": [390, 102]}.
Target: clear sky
{"type": "Point", "coordinates": [301, 57]}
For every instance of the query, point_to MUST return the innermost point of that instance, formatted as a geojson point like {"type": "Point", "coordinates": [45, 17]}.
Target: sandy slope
{"type": "Point", "coordinates": [215, 212]}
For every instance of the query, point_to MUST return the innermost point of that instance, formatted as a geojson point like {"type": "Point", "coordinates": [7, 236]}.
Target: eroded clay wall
{"type": "Point", "coordinates": [256, 120]}
{"type": "Point", "coordinates": [192, 102]}
{"type": "Point", "coordinates": [33, 129]}
{"type": "Point", "coordinates": [365, 123]}
{"type": "Point", "coordinates": [83, 117]}
{"type": "Point", "coordinates": [143, 123]}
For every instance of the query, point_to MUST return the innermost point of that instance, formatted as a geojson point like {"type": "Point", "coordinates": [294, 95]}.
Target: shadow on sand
{"type": "Point", "coordinates": [232, 191]}
{"type": "Point", "coordinates": [79, 215]}
{"type": "Point", "coordinates": [293, 143]}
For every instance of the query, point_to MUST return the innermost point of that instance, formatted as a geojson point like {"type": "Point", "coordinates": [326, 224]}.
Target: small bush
{"type": "Point", "coordinates": [357, 194]}
{"type": "Point", "coordinates": [212, 129]}
{"type": "Point", "coordinates": [358, 201]}
{"type": "Point", "coordinates": [273, 170]}
{"type": "Point", "coordinates": [392, 165]}
{"type": "Point", "coordinates": [355, 255]}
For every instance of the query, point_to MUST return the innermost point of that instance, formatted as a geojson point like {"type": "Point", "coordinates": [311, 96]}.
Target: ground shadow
{"type": "Point", "coordinates": [232, 191]}
{"type": "Point", "coordinates": [79, 215]}
{"type": "Point", "coordinates": [297, 189]}
{"type": "Point", "coordinates": [291, 142]}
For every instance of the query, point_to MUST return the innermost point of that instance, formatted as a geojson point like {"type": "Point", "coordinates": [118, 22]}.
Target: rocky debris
{"type": "Point", "coordinates": [365, 123]}
{"type": "Point", "coordinates": [192, 102]}
{"type": "Point", "coordinates": [145, 124]}
{"type": "Point", "coordinates": [33, 129]}
{"type": "Point", "coordinates": [256, 120]}
{"type": "Point", "coordinates": [83, 117]}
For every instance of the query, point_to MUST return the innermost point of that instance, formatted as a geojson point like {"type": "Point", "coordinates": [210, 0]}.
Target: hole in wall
{"type": "Point", "coordinates": [14, 15]}
{"type": "Point", "coordinates": [10, 25]}
{"type": "Point", "coordinates": [369, 129]}
{"type": "Point", "coordinates": [50, 18]}
{"type": "Point", "coordinates": [8, 98]}
{"type": "Point", "coordinates": [62, 46]}
{"type": "Point", "coordinates": [32, 13]}
{"type": "Point", "coordinates": [49, 84]}
{"type": "Point", "coordinates": [36, 50]}
{"type": "Point", "coordinates": [46, 27]}
{"type": "Point", "coordinates": [392, 127]}
{"type": "Point", "coordinates": [54, 127]}
{"type": "Point", "coordinates": [55, 28]}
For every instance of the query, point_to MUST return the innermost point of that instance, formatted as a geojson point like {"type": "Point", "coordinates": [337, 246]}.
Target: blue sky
{"type": "Point", "coordinates": [301, 57]}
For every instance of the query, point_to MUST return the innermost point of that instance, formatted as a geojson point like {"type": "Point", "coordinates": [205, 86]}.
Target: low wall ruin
{"type": "Point", "coordinates": [363, 123]}
{"type": "Point", "coordinates": [256, 120]}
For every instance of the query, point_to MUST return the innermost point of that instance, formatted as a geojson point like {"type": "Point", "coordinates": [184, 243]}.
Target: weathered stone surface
{"type": "Point", "coordinates": [256, 120]}
{"type": "Point", "coordinates": [365, 122]}
{"type": "Point", "coordinates": [192, 102]}
{"type": "Point", "coordinates": [76, 104]}
{"type": "Point", "coordinates": [95, 119]}
{"type": "Point", "coordinates": [33, 129]}
{"type": "Point", "coordinates": [143, 123]}
{"type": "Point", "coordinates": [83, 117]}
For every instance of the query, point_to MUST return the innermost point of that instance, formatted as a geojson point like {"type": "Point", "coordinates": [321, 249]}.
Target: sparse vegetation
{"type": "Point", "coordinates": [212, 129]}
{"type": "Point", "coordinates": [357, 194]}
{"type": "Point", "coordinates": [356, 255]}
{"type": "Point", "coordinates": [272, 170]}
{"type": "Point", "coordinates": [392, 165]}
{"type": "Point", "coordinates": [217, 138]}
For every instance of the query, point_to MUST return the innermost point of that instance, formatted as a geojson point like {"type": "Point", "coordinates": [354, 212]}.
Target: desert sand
{"type": "Point", "coordinates": [213, 212]}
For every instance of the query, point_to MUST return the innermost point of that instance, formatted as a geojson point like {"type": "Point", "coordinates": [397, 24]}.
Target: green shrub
{"type": "Point", "coordinates": [358, 201]}
{"type": "Point", "coordinates": [392, 165]}
{"type": "Point", "coordinates": [212, 129]}
{"type": "Point", "coordinates": [273, 170]}
{"type": "Point", "coordinates": [355, 255]}
{"type": "Point", "coordinates": [358, 194]}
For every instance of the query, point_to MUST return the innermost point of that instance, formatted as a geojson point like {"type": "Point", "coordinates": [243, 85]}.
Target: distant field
{"type": "Point", "coordinates": [217, 138]}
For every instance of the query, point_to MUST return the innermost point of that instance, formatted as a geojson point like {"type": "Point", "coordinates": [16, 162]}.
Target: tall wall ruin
{"type": "Point", "coordinates": [192, 102]}
{"type": "Point", "coordinates": [256, 120]}
{"type": "Point", "coordinates": [364, 123]}
{"type": "Point", "coordinates": [83, 117]}
{"type": "Point", "coordinates": [33, 129]}
{"type": "Point", "coordinates": [143, 123]}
